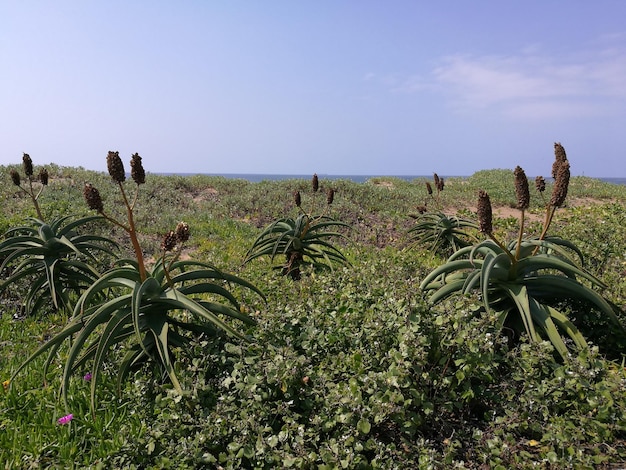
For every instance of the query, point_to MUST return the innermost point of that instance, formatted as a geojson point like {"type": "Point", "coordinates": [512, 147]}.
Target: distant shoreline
{"type": "Point", "coordinates": [256, 178]}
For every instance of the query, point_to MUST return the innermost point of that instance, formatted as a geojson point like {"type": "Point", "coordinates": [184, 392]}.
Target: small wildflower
{"type": "Point", "coordinates": [6, 384]}
{"type": "Point", "coordinates": [43, 176]}
{"type": "Point", "coordinates": [65, 419]}
{"type": "Point", "coordinates": [297, 199]}
{"type": "Point", "coordinates": [315, 184]}
{"type": "Point", "coordinates": [136, 169]}
{"type": "Point", "coordinates": [116, 167]}
{"type": "Point", "coordinates": [169, 241]}
{"type": "Point", "coordinates": [28, 165]}
{"type": "Point", "coordinates": [182, 232]}
{"type": "Point", "coordinates": [87, 377]}
{"type": "Point", "coordinates": [15, 177]}
{"type": "Point", "coordinates": [330, 196]}
{"type": "Point", "coordinates": [92, 196]}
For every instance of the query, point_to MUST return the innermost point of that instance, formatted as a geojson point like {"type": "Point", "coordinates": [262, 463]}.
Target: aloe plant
{"type": "Point", "coordinates": [524, 281]}
{"type": "Point", "coordinates": [442, 233]}
{"type": "Point", "coordinates": [303, 240]}
{"type": "Point", "coordinates": [146, 312]}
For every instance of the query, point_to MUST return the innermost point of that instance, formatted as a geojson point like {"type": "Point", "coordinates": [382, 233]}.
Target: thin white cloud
{"type": "Point", "coordinates": [590, 83]}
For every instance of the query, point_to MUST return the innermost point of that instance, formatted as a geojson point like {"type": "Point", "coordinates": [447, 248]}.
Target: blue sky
{"type": "Point", "coordinates": [335, 87]}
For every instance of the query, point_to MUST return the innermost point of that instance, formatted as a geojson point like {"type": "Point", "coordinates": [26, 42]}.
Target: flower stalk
{"type": "Point", "coordinates": [94, 201]}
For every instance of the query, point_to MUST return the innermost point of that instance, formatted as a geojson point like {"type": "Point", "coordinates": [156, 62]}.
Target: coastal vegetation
{"type": "Point", "coordinates": [142, 324]}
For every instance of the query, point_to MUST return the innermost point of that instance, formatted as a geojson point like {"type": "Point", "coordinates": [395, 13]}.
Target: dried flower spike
{"type": "Point", "coordinates": [559, 158]}
{"type": "Point", "coordinates": [330, 196]}
{"type": "Point", "coordinates": [169, 241]}
{"type": "Point", "coordinates": [43, 176]}
{"type": "Point", "coordinates": [27, 163]}
{"type": "Point", "coordinates": [521, 188]}
{"type": "Point", "coordinates": [561, 184]}
{"type": "Point", "coordinates": [136, 169]}
{"type": "Point", "coordinates": [15, 177]}
{"type": "Point", "coordinates": [540, 184]}
{"type": "Point", "coordinates": [182, 232]}
{"type": "Point", "coordinates": [440, 185]}
{"type": "Point", "coordinates": [315, 184]}
{"type": "Point", "coordinates": [436, 180]}
{"type": "Point", "coordinates": [116, 167]}
{"type": "Point", "coordinates": [485, 216]}
{"type": "Point", "coordinates": [429, 188]}
{"type": "Point", "coordinates": [92, 196]}
{"type": "Point", "coordinates": [297, 198]}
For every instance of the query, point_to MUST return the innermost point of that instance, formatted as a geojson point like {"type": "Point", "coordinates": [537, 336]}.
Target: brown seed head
{"type": "Point", "coordinates": [330, 196]}
{"type": "Point", "coordinates": [116, 167]}
{"type": "Point", "coordinates": [169, 241]}
{"type": "Point", "coordinates": [436, 180]}
{"type": "Point", "coordinates": [421, 209]}
{"type": "Point", "coordinates": [315, 184]}
{"type": "Point", "coordinates": [521, 188]}
{"type": "Point", "coordinates": [485, 216]}
{"type": "Point", "coordinates": [429, 188]}
{"type": "Point", "coordinates": [440, 185]}
{"type": "Point", "coordinates": [561, 184]}
{"type": "Point", "coordinates": [559, 158]}
{"type": "Point", "coordinates": [43, 176]}
{"type": "Point", "coordinates": [540, 184]}
{"type": "Point", "coordinates": [27, 163]}
{"type": "Point", "coordinates": [92, 196]}
{"type": "Point", "coordinates": [136, 169]}
{"type": "Point", "coordinates": [15, 177]}
{"type": "Point", "coordinates": [297, 199]}
{"type": "Point", "coordinates": [182, 232]}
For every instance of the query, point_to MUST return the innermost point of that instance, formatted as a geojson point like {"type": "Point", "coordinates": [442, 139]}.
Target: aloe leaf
{"type": "Point", "coordinates": [541, 316]}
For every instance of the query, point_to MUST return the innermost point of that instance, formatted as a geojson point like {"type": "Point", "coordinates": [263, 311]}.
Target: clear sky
{"type": "Point", "coordinates": [376, 87]}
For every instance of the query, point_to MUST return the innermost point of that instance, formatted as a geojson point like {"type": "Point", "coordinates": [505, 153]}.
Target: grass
{"type": "Point", "coordinates": [348, 369]}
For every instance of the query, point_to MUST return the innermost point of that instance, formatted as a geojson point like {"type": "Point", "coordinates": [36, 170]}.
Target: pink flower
{"type": "Point", "coordinates": [87, 376]}
{"type": "Point", "coordinates": [65, 419]}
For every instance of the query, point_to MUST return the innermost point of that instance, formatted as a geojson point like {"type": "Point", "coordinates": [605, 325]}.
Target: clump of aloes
{"type": "Point", "coordinates": [524, 281]}
{"type": "Point", "coordinates": [302, 240]}
{"type": "Point", "coordinates": [148, 313]}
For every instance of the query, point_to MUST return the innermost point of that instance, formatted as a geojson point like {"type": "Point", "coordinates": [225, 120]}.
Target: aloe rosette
{"type": "Point", "coordinates": [303, 240]}
{"type": "Point", "coordinates": [523, 289]}
{"type": "Point", "coordinates": [53, 257]}
{"type": "Point", "coordinates": [150, 317]}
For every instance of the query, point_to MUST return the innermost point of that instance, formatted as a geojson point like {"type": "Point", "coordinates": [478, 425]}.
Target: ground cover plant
{"type": "Point", "coordinates": [350, 368]}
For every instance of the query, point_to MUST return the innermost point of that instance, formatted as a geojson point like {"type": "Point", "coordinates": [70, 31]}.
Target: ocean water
{"type": "Point", "coordinates": [256, 178]}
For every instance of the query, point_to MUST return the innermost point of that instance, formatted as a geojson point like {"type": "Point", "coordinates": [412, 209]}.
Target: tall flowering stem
{"type": "Point", "coordinates": [561, 172]}
{"type": "Point", "coordinates": [117, 173]}
{"type": "Point", "coordinates": [523, 202]}
{"type": "Point", "coordinates": [27, 165]}
{"type": "Point", "coordinates": [485, 220]}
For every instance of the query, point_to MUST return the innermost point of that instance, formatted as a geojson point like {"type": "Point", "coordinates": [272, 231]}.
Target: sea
{"type": "Point", "coordinates": [256, 178]}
